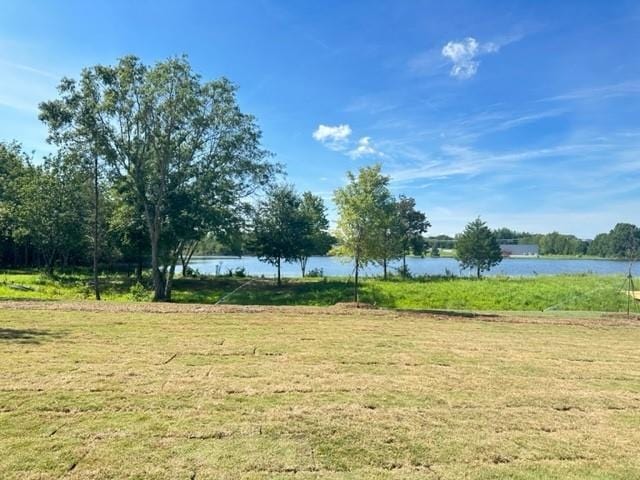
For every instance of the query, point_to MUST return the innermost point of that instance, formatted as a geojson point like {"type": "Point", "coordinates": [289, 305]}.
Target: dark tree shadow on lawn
{"type": "Point", "coordinates": [19, 335]}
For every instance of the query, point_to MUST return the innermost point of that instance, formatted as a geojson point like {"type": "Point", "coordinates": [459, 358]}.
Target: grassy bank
{"type": "Point", "coordinates": [560, 292]}
{"type": "Point", "coordinates": [315, 394]}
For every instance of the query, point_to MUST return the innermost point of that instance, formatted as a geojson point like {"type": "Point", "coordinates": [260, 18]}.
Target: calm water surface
{"type": "Point", "coordinates": [336, 266]}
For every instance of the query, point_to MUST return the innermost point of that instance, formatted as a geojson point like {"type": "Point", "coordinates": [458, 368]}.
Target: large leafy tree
{"type": "Point", "coordinates": [280, 228]}
{"type": "Point", "coordinates": [362, 215]}
{"type": "Point", "coordinates": [182, 146]}
{"type": "Point", "coordinates": [477, 247]}
{"type": "Point", "coordinates": [317, 240]}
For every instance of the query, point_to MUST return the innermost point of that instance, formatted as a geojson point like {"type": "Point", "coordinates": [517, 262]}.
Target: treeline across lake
{"type": "Point", "coordinates": [622, 242]}
{"type": "Point", "coordinates": [151, 162]}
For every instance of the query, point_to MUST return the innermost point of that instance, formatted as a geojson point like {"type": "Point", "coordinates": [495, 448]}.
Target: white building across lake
{"type": "Point", "coordinates": [526, 250]}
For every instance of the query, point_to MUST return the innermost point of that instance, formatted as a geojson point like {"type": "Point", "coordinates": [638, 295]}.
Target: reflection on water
{"type": "Point", "coordinates": [336, 266]}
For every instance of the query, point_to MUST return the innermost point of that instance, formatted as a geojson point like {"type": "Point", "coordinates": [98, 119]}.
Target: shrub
{"type": "Point", "coordinates": [138, 293]}
{"type": "Point", "coordinates": [315, 273]}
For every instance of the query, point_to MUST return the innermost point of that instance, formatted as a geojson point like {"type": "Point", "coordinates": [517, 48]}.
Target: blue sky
{"type": "Point", "coordinates": [526, 113]}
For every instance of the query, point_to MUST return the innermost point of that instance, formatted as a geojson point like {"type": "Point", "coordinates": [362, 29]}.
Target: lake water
{"type": "Point", "coordinates": [336, 266]}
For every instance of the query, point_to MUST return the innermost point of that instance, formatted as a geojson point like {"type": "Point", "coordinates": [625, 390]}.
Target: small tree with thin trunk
{"type": "Point", "coordinates": [317, 240]}
{"type": "Point", "coordinates": [389, 243]}
{"type": "Point", "coordinates": [361, 208]}
{"type": "Point", "coordinates": [412, 224]}
{"type": "Point", "coordinates": [279, 227]}
{"type": "Point", "coordinates": [477, 248]}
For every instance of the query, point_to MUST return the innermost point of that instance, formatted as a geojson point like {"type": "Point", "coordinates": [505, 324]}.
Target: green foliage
{"type": "Point", "coordinates": [13, 169]}
{"type": "Point", "coordinates": [280, 227]}
{"type": "Point", "coordinates": [411, 226]}
{"type": "Point", "coordinates": [365, 207]}
{"type": "Point", "coordinates": [443, 241]}
{"type": "Point", "coordinates": [623, 241]}
{"type": "Point", "coordinates": [52, 207]}
{"type": "Point", "coordinates": [553, 243]}
{"type": "Point", "coordinates": [316, 239]}
{"type": "Point", "coordinates": [138, 293]}
{"type": "Point", "coordinates": [182, 147]}
{"type": "Point", "coordinates": [477, 248]}
{"type": "Point", "coordinates": [315, 273]}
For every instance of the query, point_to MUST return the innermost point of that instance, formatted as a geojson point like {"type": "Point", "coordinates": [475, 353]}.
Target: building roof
{"type": "Point", "coordinates": [525, 249]}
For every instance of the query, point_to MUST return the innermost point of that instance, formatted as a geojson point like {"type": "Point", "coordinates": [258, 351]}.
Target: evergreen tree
{"type": "Point", "coordinates": [478, 248]}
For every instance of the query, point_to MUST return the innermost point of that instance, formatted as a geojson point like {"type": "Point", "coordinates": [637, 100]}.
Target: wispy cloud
{"type": "Point", "coordinates": [29, 69]}
{"type": "Point", "coordinates": [364, 148]}
{"type": "Point", "coordinates": [18, 104]}
{"type": "Point", "coordinates": [370, 105]}
{"type": "Point", "coordinates": [599, 92]}
{"type": "Point", "coordinates": [456, 160]}
{"type": "Point", "coordinates": [22, 86]}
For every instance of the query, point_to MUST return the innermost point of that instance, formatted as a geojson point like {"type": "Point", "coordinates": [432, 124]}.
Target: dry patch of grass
{"type": "Point", "coordinates": [199, 392]}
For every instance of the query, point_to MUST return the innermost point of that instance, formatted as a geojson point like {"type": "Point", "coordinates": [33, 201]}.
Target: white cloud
{"type": "Point", "coordinates": [364, 148]}
{"type": "Point", "coordinates": [464, 56]}
{"type": "Point", "coordinates": [334, 137]}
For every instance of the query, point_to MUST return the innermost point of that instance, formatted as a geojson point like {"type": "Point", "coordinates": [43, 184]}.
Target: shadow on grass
{"type": "Point", "coordinates": [291, 292]}
{"type": "Point", "coordinates": [19, 335]}
{"type": "Point", "coordinates": [315, 292]}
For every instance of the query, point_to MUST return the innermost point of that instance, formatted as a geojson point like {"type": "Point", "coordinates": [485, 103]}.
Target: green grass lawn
{"type": "Point", "coordinates": [311, 393]}
{"type": "Point", "coordinates": [559, 292]}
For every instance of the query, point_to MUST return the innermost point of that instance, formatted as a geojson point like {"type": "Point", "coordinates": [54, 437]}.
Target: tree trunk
{"type": "Point", "coordinates": [158, 284]}
{"type": "Point", "coordinates": [355, 285]}
{"type": "Point", "coordinates": [185, 257]}
{"type": "Point", "coordinates": [184, 262]}
{"type": "Point", "coordinates": [169, 280]}
{"type": "Point", "coordinates": [384, 269]}
{"type": "Point", "coordinates": [50, 261]}
{"type": "Point", "coordinates": [96, 192]}
{"type": "Point", "coordinates": [139, 270]}
{"type": "Point", "coordinates": [279, 280]}
{"type": "Point", "coordinates": [303, 265]}
{"type": "Point", "coordinates": [404, 264]}
{"type": "Point", "coordinates": [478, 271]}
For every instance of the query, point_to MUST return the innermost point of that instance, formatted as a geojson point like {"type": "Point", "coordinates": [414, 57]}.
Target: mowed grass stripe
{"type": "Point", "coordinates": [316, 394]}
